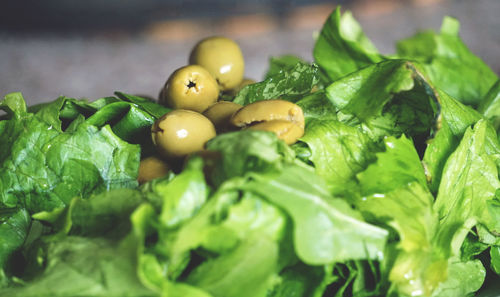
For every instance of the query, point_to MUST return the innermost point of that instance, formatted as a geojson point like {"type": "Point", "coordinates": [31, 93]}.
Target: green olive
{"type": "Point", "coordinates": [222, 57]}
{"type": "Point", "coordinates": [220, 113]}
{"type": "Point", "coordinates": [190, 87]}
{"type": "Point", "coordinates": [268, 110]}
{"type": "Point", "coordinates": [287, 131]}
{"type": "Point", "coordinates": [151, 168]}
{"type": "Point", "coordinates": [181, 132]}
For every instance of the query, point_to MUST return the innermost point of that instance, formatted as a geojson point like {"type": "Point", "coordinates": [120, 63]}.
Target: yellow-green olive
{"type": "Point", "coordinates": [190, 87]}
{"type": "Point", "coordinates": [222, 57]}
{"type": "Point", "coordinates": [287, 131]}
{"type": "Point", "coordinates": [181, 132]}
{"type": "Point", "coordinates": [220, 113]}
{"type": "Point", "coordinates": [268, 110]}
{"type": "Point", "coordinates": [151, 168]}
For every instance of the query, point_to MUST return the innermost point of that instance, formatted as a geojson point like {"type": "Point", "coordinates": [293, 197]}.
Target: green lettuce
{"type": "Point", "coordinates": [449, 64]}
{"type": "Point", "coordinates": [342, 47]}
{"type": "Point", "coordinates": [289, 84]}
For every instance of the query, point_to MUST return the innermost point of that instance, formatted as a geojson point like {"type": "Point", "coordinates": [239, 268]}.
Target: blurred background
{"type": "Point", "coordinates": [89, 49]}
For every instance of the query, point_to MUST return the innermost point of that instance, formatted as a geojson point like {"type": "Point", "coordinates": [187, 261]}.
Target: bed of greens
{"type": "Point", "coordinates": [393, 190]}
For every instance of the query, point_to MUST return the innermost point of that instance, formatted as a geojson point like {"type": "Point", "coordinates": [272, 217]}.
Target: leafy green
{"type": "Point", "coordinates": [342, 47]}
{"type": "Point", "coordinates": [278, 64]}
{"type": "Point", "coordinates": [317, 106]}
{"type": "Point", "coordinates": [220, 275]}
{"type": "Point", "coordinates": [338, 152]}
{"type": "Point", "coordinates": [394, 193]}
{"type": "Point", "coordinates": [14, 228]}
{"type": "Point", "coordinates": [289, 84]}
{"type": "Point", "coordinates": [323, 224]}
{"type": "Point", "coordinates": [393, 190]}
{"type": "Point", "coordinates": [490, 106]}
{"type": "Point", "coordinates": [82, 266]}
{"type": "Point", "coordinates": [300, 280]}
{"type": "Point", "coordinates": [470, 179]}
{"type": "Point", "coordinates": [464, 278]}
{"type": "Point", "coordinates": [247, 151]}
{"type": "Point", "coordinates": [47, 168]}
{"type": "Point", "coordinates": [450, 65]}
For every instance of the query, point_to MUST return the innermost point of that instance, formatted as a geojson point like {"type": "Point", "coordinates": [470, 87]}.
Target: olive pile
{"type": "Point", "coordinates": [215, 65]}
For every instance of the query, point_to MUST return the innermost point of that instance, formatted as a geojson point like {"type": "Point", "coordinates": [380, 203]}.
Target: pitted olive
{"type": "Point", "coordinates": [220, 113]}
{"type": "Point", "coordinates": [268, 110]}
{"type": "Point", "coordinates": [284, 118]}
{"type": "Point", "coordinates": [222, 57]}
{"type": "Point", "coordinates": [151, 168]}
{"type": "Point", "coordinates": [181, 132]}
{"type": "Point", "coordinates": [191, 87]}
{"type": "Point", "coordinates": [287, 131]}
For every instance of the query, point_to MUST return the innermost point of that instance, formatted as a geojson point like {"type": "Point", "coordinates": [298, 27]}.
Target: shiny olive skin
{"type": "Point", "coordinates": [181, 132]}
{"type": "Point", "coordinates": [268, 110]}
{"type": "Point", "coordinates": [151, 168]}
{"type": "Point", "coordinates": [220, 113]}
{"type": "Point", "coordinates": [222, 57]}
{"type": "Point", "coordinates": [190, 87]}
{"type": "Point", "coordinates": [287, 131]}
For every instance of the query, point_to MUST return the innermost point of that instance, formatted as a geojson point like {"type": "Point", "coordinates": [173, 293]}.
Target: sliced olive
{"type": "Point", "coordinates": [268, 110]}
{"type": "Point", "coordinates": [287, 131]}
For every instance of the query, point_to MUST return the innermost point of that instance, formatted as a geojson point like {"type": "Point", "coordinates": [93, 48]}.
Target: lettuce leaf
{"type": "Point", "coordinates": [449, 64]}
{"type": "Point", "coordinates": [83, 266]}
{"type": "Point", "coordinates": [322, 224]}
{"type": "Point", "coordinates": [470, 179]}
{"type": "Point", "coordinates": [288, 84]}
{"type": "Point", "coordinates": [338, 153]}
{"type": "Point", "coordinates": [342, 47]}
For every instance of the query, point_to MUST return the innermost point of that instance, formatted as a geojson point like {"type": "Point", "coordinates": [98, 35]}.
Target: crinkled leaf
{"type": "Point", "coordinates": [490, 106]}
{"type": "Point", "coordinates": [247, 271]}
{"type": "Point", "coordinates": [14, 228]}
{"type": "Point", "coordinates": [289, 84]}
{"type": "Point", "coordinates": [317, 106]}
{"type": "Point", "coordinates": [419, 264]}
{"type": "Point", "coordinates": [338, 152]}
{"type": "Point", "coordinates": [245, 151]}
{"type": "Point", "coordinates": [78, 266]}
{"type": "Point", "coordinates": [106, 213]}
{"type": "Point", "coordinates": [46, 168]}
{"type": "Point", "coordinates": [282, 63]}
{"type": "Point", "coordinates": [153, 108]}
{"type": "Point", "coordinates": [364, 93]}
{"type": "Point", "coordinates": [300, 281]}
{"type": "Point", "coordinates": [13, 104]}
{"type": "Point", "coordinates": [183, 195]}
{"type": "Point", "coordinates": [322, 224]}
{"type": "Point", "coordinates": [342, 47]}
{"type": "Point", "coordinates": [454, 118]}
{"type": "Point", "coordinates": [470, 179]}
{"type": "Point", "coordinates": [397, 166]}
{"type": "Point", "coordinates": [464, 278]}
{"type": "Point", "coordinates": [450, 65]}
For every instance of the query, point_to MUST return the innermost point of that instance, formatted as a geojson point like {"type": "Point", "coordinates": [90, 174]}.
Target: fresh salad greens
{"type": "Point", "coordinates": [393, 190]}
